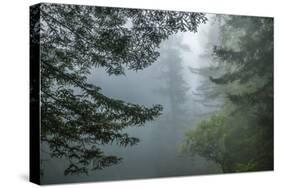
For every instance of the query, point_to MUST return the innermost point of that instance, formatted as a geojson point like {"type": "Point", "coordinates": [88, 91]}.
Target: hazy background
{"type": "Point", "coordinates": [158, 154]}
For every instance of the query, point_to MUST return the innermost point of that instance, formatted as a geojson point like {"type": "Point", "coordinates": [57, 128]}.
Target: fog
{"type": "Point", "coordinates": [171, 83]}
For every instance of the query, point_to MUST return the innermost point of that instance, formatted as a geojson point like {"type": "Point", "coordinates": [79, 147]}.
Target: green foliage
{"type": "Point", "coordinates": [208, 140]}
{"type": "Point", "coordinates": [252, 65]}
{"type": "Point", "coordinates": [243, 140]}
{"type": "Point", "coordinates": [250, 166]}
{"type": "Point", "coordinates": [76, 118]}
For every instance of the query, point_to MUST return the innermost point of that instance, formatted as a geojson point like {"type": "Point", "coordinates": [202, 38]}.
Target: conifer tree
{"type": "Point", "coordinates": [76, 118]}
{"type": "Point", "coordinates": [241, 134]}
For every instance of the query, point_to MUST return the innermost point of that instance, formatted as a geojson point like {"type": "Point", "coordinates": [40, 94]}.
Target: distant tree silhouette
{"type": "Point", "coordinates": [175, 86]}
{"type": "Point", "coordinates": [173, 89]}
{"type": "Point", "coordinates": [76, 118]}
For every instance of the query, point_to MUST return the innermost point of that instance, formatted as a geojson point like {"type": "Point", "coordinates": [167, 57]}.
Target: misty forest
{"type": "Point", "coordinates": [132, 93]}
